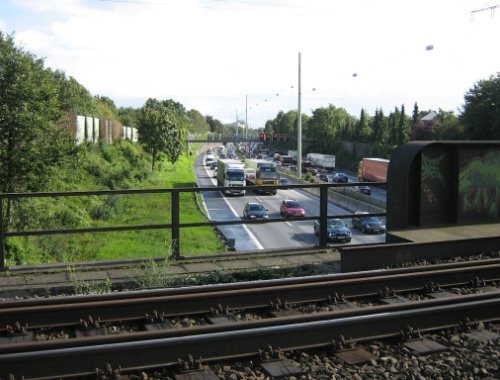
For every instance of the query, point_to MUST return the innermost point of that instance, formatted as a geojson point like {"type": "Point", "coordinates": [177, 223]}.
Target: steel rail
{"type": "Point", "coordinates": [240, 325]}
{"type": "Point", "coordinates": [82, 361]}
{"type": "Point", "coordinates": [201, 300]}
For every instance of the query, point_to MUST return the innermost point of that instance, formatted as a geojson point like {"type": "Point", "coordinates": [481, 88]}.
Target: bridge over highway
{"type": "Point", "coordinates": [431, 186]}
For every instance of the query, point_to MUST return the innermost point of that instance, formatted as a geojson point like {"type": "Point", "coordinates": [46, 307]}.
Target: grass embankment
{"type": "Point", "coordinates": [122, 165]}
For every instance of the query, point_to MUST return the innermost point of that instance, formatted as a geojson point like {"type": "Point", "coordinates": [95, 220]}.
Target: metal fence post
{"type": "Point", "coordinates": [175, 224]}
{"type": "Point", "coordinates": [2, 239]}
{"type": "Point", "coordinates": [323, 215]}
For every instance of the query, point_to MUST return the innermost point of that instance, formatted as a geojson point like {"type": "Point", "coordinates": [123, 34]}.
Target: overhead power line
{"type": "Point", "coordinates": [491, 9]}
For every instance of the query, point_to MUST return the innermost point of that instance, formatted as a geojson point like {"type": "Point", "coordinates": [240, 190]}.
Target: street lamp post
{"type": "Point", "coordinates": [299, 129]}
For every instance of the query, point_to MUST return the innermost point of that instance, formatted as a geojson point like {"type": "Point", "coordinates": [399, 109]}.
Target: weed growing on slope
{"type": "Point", "coordinates": [82, 286]}
{"type": "Point", "coordinates": [154, 273]}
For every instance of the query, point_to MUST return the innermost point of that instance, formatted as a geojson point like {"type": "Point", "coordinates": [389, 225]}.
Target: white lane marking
{"type": "Point", "coordinates": [250, 234]}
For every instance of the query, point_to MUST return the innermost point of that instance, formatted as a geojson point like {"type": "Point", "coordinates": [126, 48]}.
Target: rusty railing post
{"type": "Point", "coordinates": [323, 215]}
{"type": "Point", "coordinates": [175, 224]}
{"type": "Point", "coordinates": [2, 238]}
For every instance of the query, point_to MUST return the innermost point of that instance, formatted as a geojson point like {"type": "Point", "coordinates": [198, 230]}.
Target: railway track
{"type": "Point", "coordinates": [163, 345]}
{"type": "Point", "coordinates": [81, 360]}
{"type": "Point", "coordinates": [62, 311]}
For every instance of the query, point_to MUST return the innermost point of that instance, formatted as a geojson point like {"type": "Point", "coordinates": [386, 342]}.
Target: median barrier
{"type": "Point", "coordinates": [354, 201]}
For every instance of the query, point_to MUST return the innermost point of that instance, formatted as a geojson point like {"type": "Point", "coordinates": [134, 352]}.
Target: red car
{"type": "Point", "coordinates": [290, 209]}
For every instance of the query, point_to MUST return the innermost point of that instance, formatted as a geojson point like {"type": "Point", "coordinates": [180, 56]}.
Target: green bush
{"type": "Point", "coordinates": [15, 251]}
{"type": "Point", "coordinates": [309, 177]}
{"type": "Point", "coordinates": [106, 207]}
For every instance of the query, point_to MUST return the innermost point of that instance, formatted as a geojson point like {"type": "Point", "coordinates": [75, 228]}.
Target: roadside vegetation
{"type": "Point", "coordinates": [123, 165]}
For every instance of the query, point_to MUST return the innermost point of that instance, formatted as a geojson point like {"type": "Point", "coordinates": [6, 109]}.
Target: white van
{"type": "Point", "coordinates": [209, 158]}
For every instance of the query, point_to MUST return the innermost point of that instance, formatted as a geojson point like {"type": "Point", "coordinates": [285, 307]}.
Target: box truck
{"type": "Point", "coordinates": [373, 170]}
{"type": "Point", "coordinates": [262, 173]}
{"type": "Point", "coordinates": [231, 173]}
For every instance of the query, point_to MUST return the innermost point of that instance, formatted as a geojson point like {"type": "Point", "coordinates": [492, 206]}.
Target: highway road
{"type": "Point", "coordinates": [376, 192]}
{"type": "Point", "coordinates": [289, 234]}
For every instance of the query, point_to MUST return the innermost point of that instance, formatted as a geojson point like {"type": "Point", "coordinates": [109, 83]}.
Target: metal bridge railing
{"type": "Point", "coordinates": [175, 224]}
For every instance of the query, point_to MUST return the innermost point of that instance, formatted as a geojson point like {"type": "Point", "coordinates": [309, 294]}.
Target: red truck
{"type": "Point", "coordinates": [373, 170]}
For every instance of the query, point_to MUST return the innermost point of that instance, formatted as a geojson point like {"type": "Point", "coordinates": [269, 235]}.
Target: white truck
{"type": "Point", "coordinates": [231, 173]}
{"type": "Point", "coordinates": [286, 160]}
{"type": "Point", "coordinates": [325, 161]}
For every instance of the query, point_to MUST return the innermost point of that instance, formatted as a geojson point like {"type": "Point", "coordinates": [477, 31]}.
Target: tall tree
{"type": "Point", "coordinates": [198, 122]}
{"type": "Point", "coordinates": [415, 116]}
{"type": "Point", "coordinates": [272, 126]}
{"type": "Point", "coordinates": [162, 128]}
{"type": "Point", "coordinates": [448, 126]}
{"type": "Point", "coordinates": [327, 126]}
{"type": "Point", "coordinates": [30, 145]}
{"type": "Point", "coordinates": [215, 125]}
{"type": "Point", "coordinates": [481, 111]}
{"type": "Point", "coordinates": [179, 131]}
{"type": "Point", "coordinates": [106, 108]}
{"type": "Point", "coordinates": [377, 127]}
{"type": "Point", "coordinates": [393, 127]}
{"type": "Point", "coordinates": [73, 97]}
{"type": "Point", "coordinates": [381, 142]}
{"type": "Point", "coordinates": [288, 124]}
{"type": "Point", "coordinates": [403, 128]}
{"type": "Point", "coordinates": [421, 129]}
{"type": "Point", "coordinates": [128, 116]}
{"type": "Point", "coordinates": [363, 132]}
{"type": "Point", "coordinates": [285, 123]}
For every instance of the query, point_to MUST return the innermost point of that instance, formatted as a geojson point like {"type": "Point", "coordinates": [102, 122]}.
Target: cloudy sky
{"type": "Point", "coordinates": [232, 59]}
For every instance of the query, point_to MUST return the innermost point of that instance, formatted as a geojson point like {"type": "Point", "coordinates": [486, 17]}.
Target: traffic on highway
{"type": "Point", "coordinates": [284, 204]}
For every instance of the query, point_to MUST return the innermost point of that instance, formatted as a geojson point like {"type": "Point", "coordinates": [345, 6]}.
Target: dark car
{"type": "Point", "coordinates": [291, 208]}
{"type": "Point", "coordinates": [362, 189]}
{"type": "Point", "coordinates": [336, 230]}
{"type": "Point", "coordinates": [254, 210]}
{"type": "Point", "coordinates": [323, 177]}
{"type": "Point", "coordinates": [367, 223]}
{"type": "Point", "coordinates": [213, 165]}
{"type": "Point", "coordinates": [340, 178]}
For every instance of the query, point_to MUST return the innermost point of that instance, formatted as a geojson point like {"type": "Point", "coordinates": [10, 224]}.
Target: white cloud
{"type": "Point", "coordinates": [209, 55]}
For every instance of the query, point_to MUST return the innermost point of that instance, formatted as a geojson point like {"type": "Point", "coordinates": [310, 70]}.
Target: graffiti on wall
{"type": "Point", "coordinates": [435, 190]}
{"type": "Point", "coordinates": [479, 182]}
{"type": "Point", "coordinates": [444, 183]}
{"type": "Point", "coordinates": [430, 172]}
